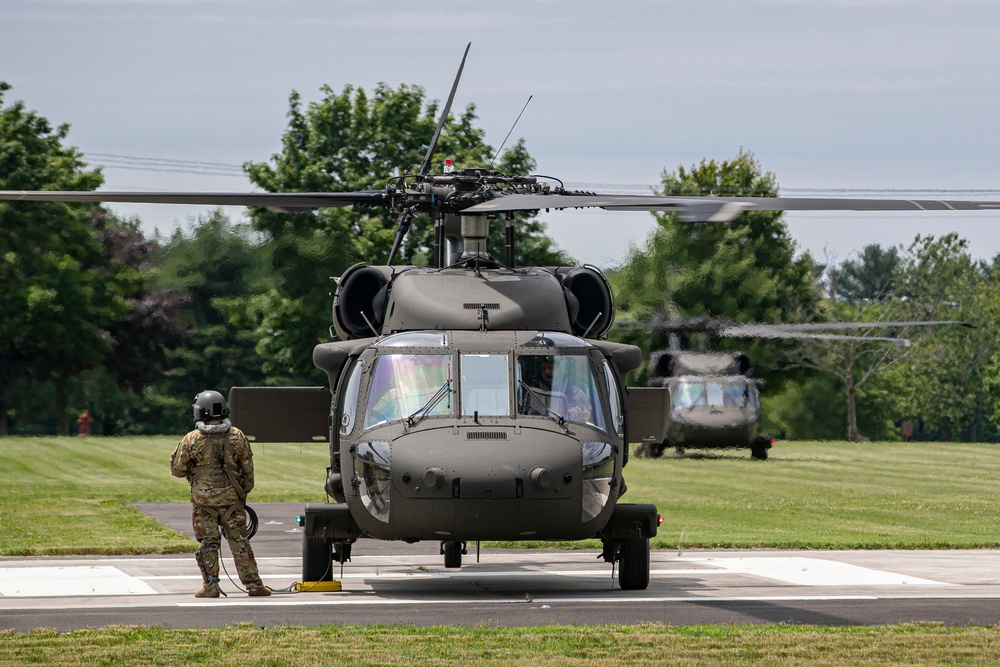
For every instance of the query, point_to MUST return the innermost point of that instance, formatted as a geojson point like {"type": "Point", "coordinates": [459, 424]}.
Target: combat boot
{"type": "Point", "coordinates": [258, 591]}
{"type": "Point", "coordinates": [208, 591]}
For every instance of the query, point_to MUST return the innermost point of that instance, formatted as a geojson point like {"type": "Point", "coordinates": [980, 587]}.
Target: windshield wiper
{"type": "Point", "coordinates": [422, 412]}
{"type": "Point", "coordinates": [547, 411]}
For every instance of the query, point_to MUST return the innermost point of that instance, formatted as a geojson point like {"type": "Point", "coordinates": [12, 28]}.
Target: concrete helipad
{"type": "Point", "coordinates": [395, 582]}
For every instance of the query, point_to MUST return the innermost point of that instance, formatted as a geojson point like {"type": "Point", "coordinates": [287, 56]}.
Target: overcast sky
{"type": "Point", "coordinates": [892, 95]}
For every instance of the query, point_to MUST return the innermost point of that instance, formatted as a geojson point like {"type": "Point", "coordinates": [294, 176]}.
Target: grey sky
{"type": "Point", "coordinates": [891, 94]}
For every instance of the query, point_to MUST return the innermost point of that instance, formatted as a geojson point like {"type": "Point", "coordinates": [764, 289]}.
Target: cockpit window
{"type": "Point", "coordinates": [403, 384]}
{"type": "Point", "coordinates": [688, 394]}
{"type": "Point", "coordinates": [555, 339]}
{"type": "Point", "coordinates": [415, 339]}
{"type": "Point", "coordinates": [735, 394]}
{"type": "Point", "coordinates": [350, 399]}
{"type": "Point", "coordinates": [485, 385]}
{"type": "Point", "coordinates": [615, 399]}
{"type": "Point", "coordinates": [712, 393]}
{"type": "Point", "coordinates": [559, 386]}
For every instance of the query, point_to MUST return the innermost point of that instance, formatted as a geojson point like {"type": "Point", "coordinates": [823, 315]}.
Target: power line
{"type": "Point", "coordinates": [202, 163]}
{"type": "Point", "coordinates": [139, 163]}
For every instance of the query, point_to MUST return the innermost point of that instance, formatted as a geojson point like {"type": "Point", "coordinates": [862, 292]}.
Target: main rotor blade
{"type": "Point", "coordinates": [691, 209]}
{"type": "Point", "coordinates": [426, 164]}
{"type": "Point", "coordinates": [833, 204]}
{"type": "Point", "coordinates": [275, 201]}
{"type": "Point", "coordinates": [797, 335]}
{"type": "Point", "coordinates": [809, 330]}
{"type": "Point", "coordinates": [715, 209]}
{"type": "Point", "coordinates": [763, 330]}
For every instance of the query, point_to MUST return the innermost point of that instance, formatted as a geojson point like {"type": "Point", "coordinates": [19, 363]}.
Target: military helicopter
{"type": "Point", "coordinates": [472, 399]}
{"type": "Point", "coordinates": [697, 398]}
{"type": "Point", "coordinates": [703, 399]}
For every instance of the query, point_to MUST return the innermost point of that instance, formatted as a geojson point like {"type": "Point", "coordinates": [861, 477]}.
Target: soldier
{"type": "Point", "coordinates": [216, 460]}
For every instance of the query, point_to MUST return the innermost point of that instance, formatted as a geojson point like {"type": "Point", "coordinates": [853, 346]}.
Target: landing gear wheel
{"type": "Point", "coordinates": [633, 564]}
{"type": "Point", "coordinates": [452, 553]}
{"type": "Point", "coordinates": [758, 450]}
{"type": "Point", "coordinates": [651, 450]}
{"type": "Point", "coordinates": [317, 559]}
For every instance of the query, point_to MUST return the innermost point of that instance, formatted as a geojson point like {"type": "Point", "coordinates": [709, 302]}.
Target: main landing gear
{"type": "Point", "coordinates": [318, 556]}
{"type": "Point", "coordinates": [632, 557]}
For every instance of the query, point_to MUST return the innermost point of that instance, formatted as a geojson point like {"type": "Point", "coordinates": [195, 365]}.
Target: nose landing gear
{"type": "Point", "coordinates": [453, 551]}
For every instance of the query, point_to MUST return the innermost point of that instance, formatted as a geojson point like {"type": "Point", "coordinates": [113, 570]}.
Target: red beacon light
{"type": "Point", "coordinates": [449, 165]}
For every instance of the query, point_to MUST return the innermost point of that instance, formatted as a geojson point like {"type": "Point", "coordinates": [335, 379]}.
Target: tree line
{"type": "Point", "coordinates": [98, 317]}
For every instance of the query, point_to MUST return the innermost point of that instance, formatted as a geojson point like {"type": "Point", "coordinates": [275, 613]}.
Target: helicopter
{"type": "Point", "coordinates": [704, 399]}
{"type": "Point", "coordinates": [698, 399]}
{"type": "Point", "coordinates": [471, 399]}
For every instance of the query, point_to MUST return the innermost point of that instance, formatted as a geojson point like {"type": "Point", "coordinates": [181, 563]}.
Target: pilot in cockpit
{"type": "Point", "coordinates": [545, 373]}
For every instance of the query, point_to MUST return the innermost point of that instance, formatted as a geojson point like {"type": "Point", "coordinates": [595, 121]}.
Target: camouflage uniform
{"type": "Point", "coordinates": [216, 460]}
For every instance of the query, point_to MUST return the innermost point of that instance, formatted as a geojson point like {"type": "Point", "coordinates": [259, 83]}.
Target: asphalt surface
{"type": "Point", "coordinates": [400, 583]}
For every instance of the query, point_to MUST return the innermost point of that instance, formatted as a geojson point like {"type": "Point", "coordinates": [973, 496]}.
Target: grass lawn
{"type": "Point", "coordinates": [826, 495]}
{"type": "Point", "coordinates": [385, 646]}
{"type": "Point", "coordinates": [71, 495]}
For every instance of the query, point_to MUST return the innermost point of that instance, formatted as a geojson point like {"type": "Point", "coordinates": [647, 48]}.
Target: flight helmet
{"type": "Point", "coordinates": [209, 405]}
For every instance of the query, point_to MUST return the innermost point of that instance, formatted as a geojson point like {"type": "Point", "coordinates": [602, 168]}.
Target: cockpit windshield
{"type": "Point", "coordinates": [560, 386]}
{"type": "Point", "coordinates": [485, 385]}
{"type": "Point", "coordinates": [403, 384]}
{"type": "Point", "coordinates": [553, 376]}
{"type": "Point", "coordinates": [719, 393]}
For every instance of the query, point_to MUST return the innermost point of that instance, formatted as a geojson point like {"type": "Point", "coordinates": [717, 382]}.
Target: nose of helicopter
{"type": "Point", "coordinates": [710, 427]}
{"type": "Point", "coordinates": [485, 464]}
{"type": "Point", "coordinates": [498, 483]}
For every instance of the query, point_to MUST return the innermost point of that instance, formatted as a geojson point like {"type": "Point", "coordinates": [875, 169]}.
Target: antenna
{"type": "Point", "coordinates": [509, 131]}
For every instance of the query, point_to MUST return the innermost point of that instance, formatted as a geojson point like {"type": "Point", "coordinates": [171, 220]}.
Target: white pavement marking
{"type": "Point", "coordinates": [814, 572]}
{"type": "Point", "coordinates": [87, 581]}
{"type": "Point", "coordinates": [69, 581]}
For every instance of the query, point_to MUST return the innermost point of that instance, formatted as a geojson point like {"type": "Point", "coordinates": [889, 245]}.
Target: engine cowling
{"type": "Point", "coordinates": [377, 300]}
{"type": "Point", "coordinates": [596, 302]}
{"type": "Point", "coordinates": [361, 293]}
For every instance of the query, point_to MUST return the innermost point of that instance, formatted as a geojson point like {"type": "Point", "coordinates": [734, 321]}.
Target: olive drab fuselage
{"type": "Point", "coordinates": [713, 411]}
{"type": "Point", "coordinates": [449, 435]}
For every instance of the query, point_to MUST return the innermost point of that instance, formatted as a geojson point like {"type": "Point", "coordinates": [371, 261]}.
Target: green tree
{"type": "Point", "coordinates": [855, 365]}
{"type": "Point", "coordinates": [868, 277]}
{"type": "Point", "coordinates": [949, 367]}
{"type": "Point", "coordinates": [744, 270]}
{"type": "Point", "coordinates": [936, 379]}
{"type": "Point", "coordinates": [860, 288]}
{"type": "Point", "coordinates": [351, 141]}
{"type": "Point", "coordinates": [810, 408]}
{"type": "Point", "coordinates": [216, 266]}
{"type": "Point", "coordinates": [54, 302]}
